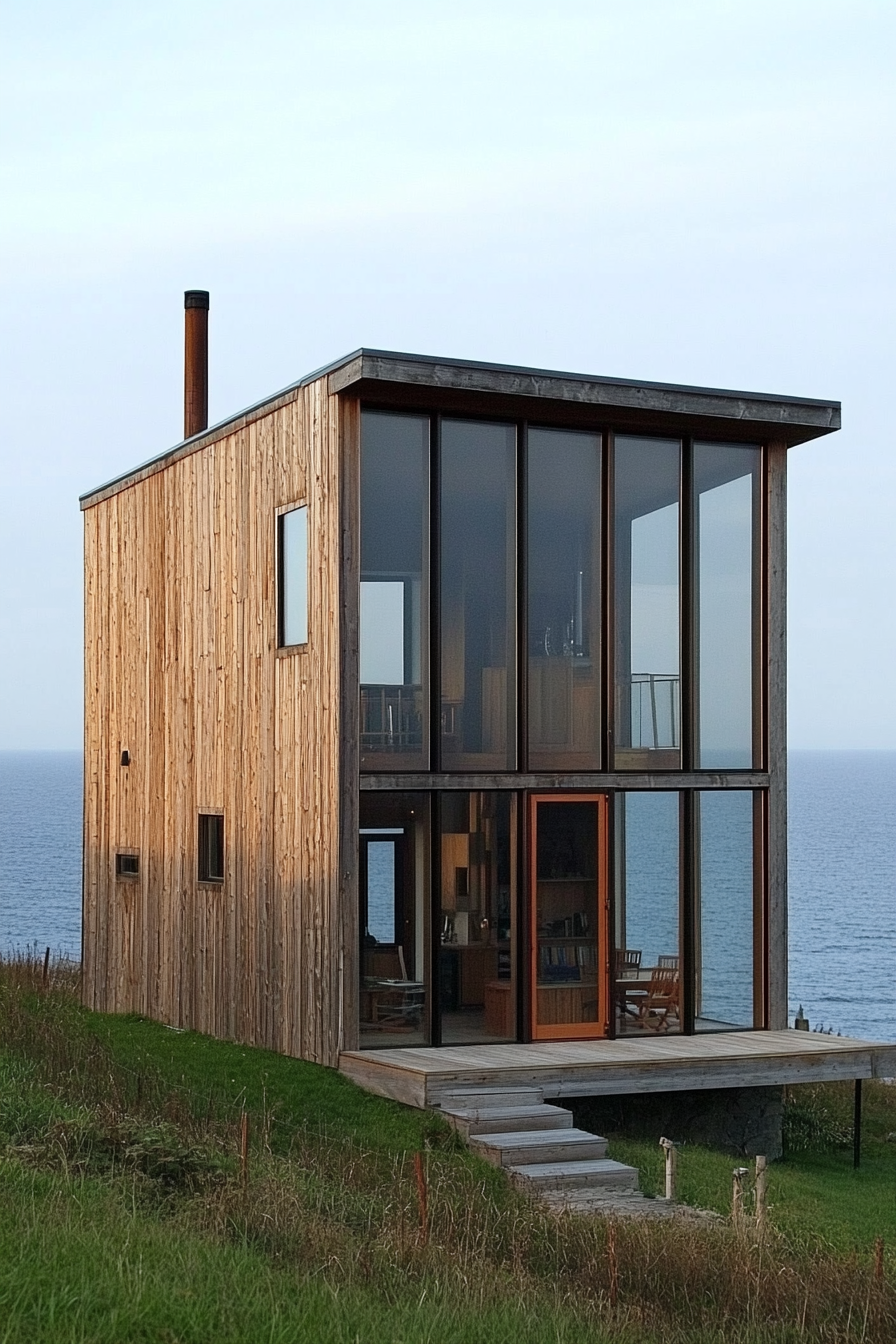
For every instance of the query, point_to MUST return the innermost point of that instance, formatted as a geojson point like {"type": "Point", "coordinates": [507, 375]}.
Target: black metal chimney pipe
{"type": "Point", "coordinates": [195, 362]}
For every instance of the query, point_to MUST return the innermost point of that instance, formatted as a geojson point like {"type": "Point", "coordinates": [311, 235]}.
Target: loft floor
{"type": "Point", "coordinates": [420, 1075]}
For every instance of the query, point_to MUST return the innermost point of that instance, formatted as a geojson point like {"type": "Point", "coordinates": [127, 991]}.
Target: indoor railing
{"type": "Point", "coordinates": [656, 710]}
{"type": "Point", "coordinates": [391, 718]}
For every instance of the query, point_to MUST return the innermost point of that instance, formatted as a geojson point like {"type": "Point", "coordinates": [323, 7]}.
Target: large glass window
{"type": "Point", "coordinates": [477, 917]}
{"type": "Point", "coordinates": [478, 593]}
{"type": "Point", "coordinates": [563, 575]}
{"type": "Point", "coordinates": [394, 549]}
{"type": "Point", "coordinates": [726, 502]}
{"type": "Point", "coordinates": [393, 894]}
{"type": "Point", "coordinates": [647, 474]}
{"type": "Point", "coordinates": [724, 913]}
{"type": "Point", "coordinates": [648, 970]}
{"type": "Point", "coordinates": [569, 931]}
{"type": "Point", "coordinates": [293, 569]}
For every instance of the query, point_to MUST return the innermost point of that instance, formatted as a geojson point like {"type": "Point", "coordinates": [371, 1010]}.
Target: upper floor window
{"type": "Point", "coordinates": [504, 624]}
{"type": "Point", "coordinates": [726, 507]}
{"type": "Point", "coordinates": [394, 590]}
{"type": "Point", "coordinates": [477, 595]}
{"type": "Point", "coordinates": [646, 554]}
{"type": "Point", "coordinates": [292, 566]}
{"type": "Point", "coordinates": [563, 471]}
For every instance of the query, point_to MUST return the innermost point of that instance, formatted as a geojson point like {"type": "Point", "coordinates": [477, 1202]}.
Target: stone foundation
{"type": "Point", "coordinates": [743, 1121]}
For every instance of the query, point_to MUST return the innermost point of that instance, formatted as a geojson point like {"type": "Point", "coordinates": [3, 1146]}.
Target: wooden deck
{"type": "Point", "coordinates": [420, 1076]}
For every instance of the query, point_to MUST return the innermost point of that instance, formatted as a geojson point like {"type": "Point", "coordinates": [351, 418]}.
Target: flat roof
{"type": "Point", "coordinates": [428, 382]}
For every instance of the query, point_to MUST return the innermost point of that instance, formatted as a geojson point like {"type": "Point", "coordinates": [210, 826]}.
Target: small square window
{"type": "Point", "coordinates": [292, 568]}
{"type": "Point", "coordinates": [211, 847]}
{"type": "Point", "coordinates": [127, 865]}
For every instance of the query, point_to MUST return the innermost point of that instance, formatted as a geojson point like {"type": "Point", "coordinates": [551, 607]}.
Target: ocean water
{"type": "Point", "coordinates": [842, 878]}
{"type": "Point", "coordinates": [842, 836]}
{"type": "Point", "coordinates": [40, 851]}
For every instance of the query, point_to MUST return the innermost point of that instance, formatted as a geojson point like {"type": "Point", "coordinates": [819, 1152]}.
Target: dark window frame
{"type": "Point", "coordinates": [688, 597]}
{"type": "Point", "coordinates": [210, 849]}
{"type": "Point", "coordinates": [127, 865]}
{"type": "Point", "coordinates": [282, 645]}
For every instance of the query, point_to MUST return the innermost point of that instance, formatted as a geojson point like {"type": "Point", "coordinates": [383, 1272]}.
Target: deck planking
{"type": "Point", "coordinates": [420, 1076]}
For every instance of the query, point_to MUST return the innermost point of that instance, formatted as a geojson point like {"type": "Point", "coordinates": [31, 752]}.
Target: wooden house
{"type": "Point", "coordinates": [436, 707]}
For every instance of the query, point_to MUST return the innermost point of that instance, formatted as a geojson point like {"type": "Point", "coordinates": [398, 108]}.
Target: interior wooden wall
{"type": "Point", "coordinates": [183, 671]}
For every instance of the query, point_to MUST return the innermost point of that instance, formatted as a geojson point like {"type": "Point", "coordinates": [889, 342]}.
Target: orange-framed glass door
{"type": "Point", "coordinates": [569, 939]}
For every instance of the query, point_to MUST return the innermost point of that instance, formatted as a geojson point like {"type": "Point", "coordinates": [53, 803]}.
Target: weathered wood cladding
{"type": "Point", "coordinates": [183, 671]}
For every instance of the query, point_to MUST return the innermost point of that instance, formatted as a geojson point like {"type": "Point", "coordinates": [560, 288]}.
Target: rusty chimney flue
{"type": "Point", "coordinates": [195, 362]}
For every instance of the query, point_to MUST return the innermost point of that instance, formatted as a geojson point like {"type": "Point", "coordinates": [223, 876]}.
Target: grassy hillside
{"type": "Point", "coordinates": [130, 1215]}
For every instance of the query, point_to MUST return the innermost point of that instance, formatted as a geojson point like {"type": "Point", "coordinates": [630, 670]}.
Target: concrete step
{"type": "Point", "coordinates": [553, 1177]}
{"type": "Point", "coordinates": [524, 1147]}
{"type": "Point", "coordinates": [501, 1119]}
{"type": "Point", "coordinates": [608, 1203]}
{"type": "Point", "coordinates": [474, 1098]}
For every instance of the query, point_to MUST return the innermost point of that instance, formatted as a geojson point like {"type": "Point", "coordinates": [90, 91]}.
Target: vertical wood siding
{"type": "Point", "coordinates": [182, 670]}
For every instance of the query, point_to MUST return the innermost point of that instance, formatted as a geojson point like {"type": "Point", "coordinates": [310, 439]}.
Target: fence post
{"type": "Point", "coordinates": [244, 1150]}
{"type": "Point", "coordinates": [671, 1155]}
{"type": "Point", "coordinates": [613, 1265]}
{"type": "Point", "coordinates": [420, 1171]}
{"type": "Point", "coordinates": [759, 1190]}
{"type": "Point", "coordinates": [737, 1195]}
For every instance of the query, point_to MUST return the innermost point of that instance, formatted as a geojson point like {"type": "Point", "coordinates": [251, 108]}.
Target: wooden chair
{"type": "Point", "coordinates": [628, 963]}
{"type": "Point", "coordinates": [385, 963]}
{"type": "Point", "coordinates": [668, 961]}
{"type": "Point", "coordinates": [396, 1003]}
{"type": "Point", "coordinates": [660, 1003]}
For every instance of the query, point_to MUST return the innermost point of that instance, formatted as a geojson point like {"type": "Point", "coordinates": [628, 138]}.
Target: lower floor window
{"type": "Point", "coordinates": [490, 916]}
{"type": "Point", "coordinates": [211, 847]}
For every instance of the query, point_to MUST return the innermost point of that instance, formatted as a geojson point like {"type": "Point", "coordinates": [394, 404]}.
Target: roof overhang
{"type": "Point", "coordinates": [382, 376]}
{"type": "Point", "coordinates": [425, 382]}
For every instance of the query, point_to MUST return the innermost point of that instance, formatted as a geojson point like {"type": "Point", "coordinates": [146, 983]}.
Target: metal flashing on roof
{"type": "Point", "coordinates": [383, 376]}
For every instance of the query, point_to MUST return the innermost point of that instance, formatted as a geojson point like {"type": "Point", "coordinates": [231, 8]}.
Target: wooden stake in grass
{"type": "Point", "coordinates": [878, 1259]}
{"type": "Point", "coordinates": [420, 1172]}
{"type": "Point", "coordinates": [671, 1154]}
{"type": "Point", "coordinates": [244, 1150]}
{"type": "Point", "coordinates": [613, 1265]}
{"type": "Point", "coordinates": [46, 975]}
{"type": "Point", "coordinates": [737, 1195]}
{"type": "Point", "coordinates": [759, 1190]}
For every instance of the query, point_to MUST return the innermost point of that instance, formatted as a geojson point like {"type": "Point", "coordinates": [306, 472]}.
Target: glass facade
{"type": "Point", "coordinates": [647, 963]}
{"type": "Point", "coordinates": [394, 598]}
{"type": "Point", "coordinates": [568, 941]}
{"type": "Point", "coordinates": [646, 553]}
{"type": "Point", "coordinates": [724, 911]}
{"type": "Point", "coordinates": [477, 917]}
{"type": "Point", "coordinates": [393, 891]}
{"type": "Point", "coordinates": [543, 605]}
{"type": "Point", "coordinates": [477, 637]}
{"type": "Point", "coordinates": [563, 473]}
{"type": "Point", "coordinates": [726, 518]}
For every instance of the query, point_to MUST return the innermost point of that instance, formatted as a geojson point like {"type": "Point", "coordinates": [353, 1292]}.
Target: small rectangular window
{"type": "Point", "coordinates": [211, 847]}
{"type": "Point", "coordinates": [293, 575]}
{"type": "Point", "coordinates": [127, 865]}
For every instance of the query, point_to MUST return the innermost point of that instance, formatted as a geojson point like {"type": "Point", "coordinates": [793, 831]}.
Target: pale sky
{"type": "Point", "coordinates": [696, 192]}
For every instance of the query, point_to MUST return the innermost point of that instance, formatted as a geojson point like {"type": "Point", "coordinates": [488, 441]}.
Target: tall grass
{"type": "Point", "coordinates": [104, 1113]}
